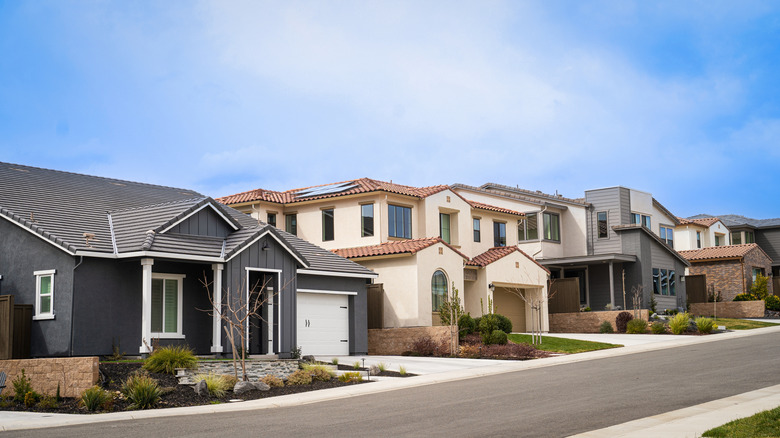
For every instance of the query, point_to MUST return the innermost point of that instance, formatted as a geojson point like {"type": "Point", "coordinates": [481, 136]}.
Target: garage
{"type": "Point", "coordinates": [323, 323]}
{"type": "Point", "coordinates": [507, 303]}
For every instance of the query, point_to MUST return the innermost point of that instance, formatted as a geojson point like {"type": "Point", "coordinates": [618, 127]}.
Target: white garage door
{"type": "Point", "coordinates": [323, 323]}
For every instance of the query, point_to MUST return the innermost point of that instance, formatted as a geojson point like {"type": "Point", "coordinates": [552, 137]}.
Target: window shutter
{"type": "Point", "coordinates": [157, 305]}
{"type": "Point", "coordinates": [171, 306]}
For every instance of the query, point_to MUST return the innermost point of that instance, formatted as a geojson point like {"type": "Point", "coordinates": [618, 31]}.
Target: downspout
{"type": "Point", "coordinates": [73, 301]}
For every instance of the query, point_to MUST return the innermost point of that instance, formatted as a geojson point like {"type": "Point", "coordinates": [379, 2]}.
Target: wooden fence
{"type": "Point", "coordinates": [15, 326]}
{"type": "Point", "coordinates": [696, 288]}
{"type": "Point", "coordinates": [564, 295]}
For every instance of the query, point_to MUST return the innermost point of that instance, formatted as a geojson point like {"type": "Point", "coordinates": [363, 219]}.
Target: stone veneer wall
{"type": "Point", "coordinates": [395, 341]}
{"type": "Point", "coordinates": [586, 322]}
{"type": "Point", "coordinates": [255, 369]}
{"type": "Point", "coordinates": [74, 374]}
{"type": "Point", "coordinates": [730, 309]}
{"type": "Point", "coordinates": [733, 277]}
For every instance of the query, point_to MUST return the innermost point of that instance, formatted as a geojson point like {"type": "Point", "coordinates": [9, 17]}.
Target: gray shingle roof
{"type": "Point", "coordinates": [735, 220]}
{"type": "Point", "coordinates": [61, 207]}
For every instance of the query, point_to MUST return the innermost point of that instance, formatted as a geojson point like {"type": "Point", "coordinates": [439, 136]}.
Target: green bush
{"type": "Point", "coordinates": [772, 302]}
{"type": "Point", "coordinates": [487, 325]}
{"type": "Point", "coordinates": [49, 402]}
{"type": "Point", "coordinates": [319, 372]}
{"type": "Point", "coordinates": [622, 321]}
{"type": "Point", "coordinates": [745, 297]}
{"type": "Point", "coordinates": [142, 391]}
{"type": "Point", "coordinates": [466, 325]}
{"type": "Point", "coordinates": [272, 381]}
{"type": "Point", "coordinates": [658, 328]}
{"type": "Point", "coordinates": [760, 287]}
{"type": "Point", "coordinates": [351, 377]}
{"type": "Point", "coordinates": [22, 385]}
{"type": "Point", "coordinates": [636, 326]}
{"type": "Point", "coordinates": [497, 337]}
{"type": "Point", "coordinates": [299, 377]}
{"type": "Point", "coordinates": [167, 359]}
{"type": "Point", "coordinates": [679, 323]}
{"type": "Point", "coordinates": [31, 399]}
{"type": "Point", "coordinates": [705, 325]}
{"type": "Point", "coordinates": [217, 384]}
{"type": "Point", "coordinates": [96, 398]}
{"type": "Point", "coordinates": [606, 327]}
{"type": "Point", "coordinates": [504, 323]}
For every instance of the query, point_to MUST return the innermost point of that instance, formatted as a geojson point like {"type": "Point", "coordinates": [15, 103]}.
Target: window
{"type": "Point", "coordinates": [698, 239]}
{"type": "Point", "coordinates": [717, 240]}
{"type": "Point", "coordinates": [552, 227]}
{"type": "Point", "coordinates": [444, 227]}
{"type": "Point", "coordinates": [477, 236]}
{"type": "Point", "coordinates": [672, 290]}
{"type": "Point", "coordinates": [271, 219]}
{"type": "Point", "coordinates": [327, 224]}
{"type": "Point", "coordinates": [44, 294]}
{"type": "Point", "coordinates": [736, 238]}
{"type": "Point", "coordinates": [664, 282]}
{"type": "Point", "coordinates": [399, 221]}
{"type": "Point", "coordinates": [367, 220]}
{"type": "Point", "coordinates": [438, 289]}
{"type": "Point", "coordinates": [166, 305]}
{"type": "Point", "coordinates": [750, 237]}
{"type": "Point", "coordinates": [291, 224]}
{"type": "Point", "coordinates": [757, 272]}
{"type": "Point", "coordinates": [667, 235]}
{"type": "Point", "coordinates": [656, 281]}
{"type": "Point", "coordinates": [602, 224]}
{"type": "Point", "coordinates": [499, 234]}
{"type": "Point", "coordinates": [642, 219]}
{"type": "Point", "coordinates": [527, 229]}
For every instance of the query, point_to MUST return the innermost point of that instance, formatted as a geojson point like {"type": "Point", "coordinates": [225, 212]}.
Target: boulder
{"type": "Point", "coordinates": [308, 358]}
{"type": "Point", "coordinates": [374, 370]}
{"type": "Point", "coordinates": [260, 386]}
{"type": "Point", "coordinates": [202, 389]}
{"type": "Point", "coordinates": [242, 387]}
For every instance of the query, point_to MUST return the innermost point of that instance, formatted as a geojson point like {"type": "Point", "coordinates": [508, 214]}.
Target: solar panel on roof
{"type": "Point", "coordinates": [326, 190]}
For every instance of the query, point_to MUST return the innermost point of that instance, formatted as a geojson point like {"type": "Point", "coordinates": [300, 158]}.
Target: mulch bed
{"type": "Point", "coordinates": [175, 395]}
{"type": "Point", "coordinates": [385, 373]}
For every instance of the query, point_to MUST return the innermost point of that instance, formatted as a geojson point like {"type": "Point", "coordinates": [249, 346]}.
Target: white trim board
{"type": "Point", "coordinates": [208, 204]}
{"type": "Point", "coordinates": [335, 274]}
{"type": "Point", "coordinates": [328, 292]}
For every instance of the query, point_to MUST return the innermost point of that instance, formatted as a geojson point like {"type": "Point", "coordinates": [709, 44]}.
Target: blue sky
{"type": "Point", "coordinates": [678, 98]}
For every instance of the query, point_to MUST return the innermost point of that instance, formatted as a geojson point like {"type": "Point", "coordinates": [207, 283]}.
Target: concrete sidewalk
{"type": "Point", "coordinates": [439, 370]}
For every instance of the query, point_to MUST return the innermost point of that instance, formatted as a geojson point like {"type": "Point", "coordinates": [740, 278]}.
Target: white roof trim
{"type": "Point", "coordinates": [208, 204]}
{"type": "Point", "coordinates": [327, 292]}
{"type": "Point", "coordinates": [336, 274]}
{"type": "Point", "coordinates": [279, 241]}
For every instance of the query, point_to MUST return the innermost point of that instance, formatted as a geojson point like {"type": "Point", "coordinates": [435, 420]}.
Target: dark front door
{"type": "Point", "coordinates": [580, 274]}
{"type": "Point", "coordinates": [262, 301]}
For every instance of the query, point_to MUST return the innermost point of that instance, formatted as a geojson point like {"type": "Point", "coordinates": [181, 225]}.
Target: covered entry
{"type": "Point", "coordinates": [323, 322]}
{"type": "Point", "coordinates": [507, 302]}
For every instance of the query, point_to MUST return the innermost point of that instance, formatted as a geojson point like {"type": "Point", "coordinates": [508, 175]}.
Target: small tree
{"type": "Point", "coordinates": [760, 287]}
{"type": "Point", "coordinates": [450, 312]}
{"type": "Point", "coordinates": [636, 298]}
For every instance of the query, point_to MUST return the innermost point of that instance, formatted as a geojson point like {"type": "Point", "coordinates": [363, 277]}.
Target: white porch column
{"type": "Point", "coordinates": [146, 312]}
{"type": "Point", "coordinates": [612, 286]}
{"type": "Point", "coordinates": [216, 332]}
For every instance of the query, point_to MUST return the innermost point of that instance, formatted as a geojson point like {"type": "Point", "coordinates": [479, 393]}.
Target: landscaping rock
{"type": "Point", "coordinates": [202, 389]}
{"type": "Point", "coordinates": [242, 387]}
{"type": "Point", "coordinates": [308, 358]}
{"type": "Point", "coordinates": [374, 370]}
{"type": "Point", "coordinates": [260, 386]}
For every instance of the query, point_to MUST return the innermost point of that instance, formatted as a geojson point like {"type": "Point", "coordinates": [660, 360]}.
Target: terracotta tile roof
{"type": "Point", "coordinates": [721, 252]}
{"type": "Point", "coordinates": [411, 246]}
{"type": "Point", "coordinates": [343, 188]}
{"type": "Point", "coordinates": [497, 253]}
{"type": "Point", "coordinates": [705, 222]}
{"type": "Point", "coordinates": [481, 206]}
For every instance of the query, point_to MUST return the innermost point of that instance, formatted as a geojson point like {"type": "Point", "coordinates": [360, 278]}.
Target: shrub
{"type": "Point", "coordinates": [96, 398]}
{"type": "Point", "coordinates": [356, 365]}
{"type": "Point", "coordinates": [653, 304]}
{"type": "Point", "coordinates": [424, 346]}
{"type": "Point", "coordinates": [622, 320]}
{"type": "Point", "coordinates": [272, 381]}
{"type": "Point", "coordinates": [382, 367]}
{"type": "Point", "coordinates": [351, 377]}
{"type": "Point", "coordinates": [218, 385]}
{"type": "Point", "coordinates": [49, 402]}
{"type": "Point", "coordinates": [472, 339]}
{"type": "Point", "coordinates": [167, 359]}
{"type": "Point", "coordinates": [335, 361]}
{"type": "Point", "coordinates": [705, 325]}
{"type": "Point", "coordinates": [487, 325]}
{"type": "Point", "coordinates": [504, 323]}
{"type": "Point", "coordinates": [299, 377]}
{"type": "Point", "coordinates": [469, 351]}
{"type": "Point", "coordinates": [745, 297]}
{"type": "Point", "coordinates": [497, 337]}
{"type": "Point", "coordinates": [31, 399]}
{"type": "Point", "coordinates": [636, 326]}
{"type": "Point", "coordinates": [142, 391]}
{"type": "Point", "coordinates": [402, 370]}
{"type": "Point", "coordinates": [466, 325]}
{"type": "Point", "coordinates": [606, 327]}
{"type": "Point", "coordinates": [772, 302]}
{"type": "Point", "coordinates": [318, 372]}
{"type": "Point", "coordinates": [760, 287]}
{"type": "Point", "coordinates": [679, 323]}
{"type": "Point", "coordinates": [22, 385]}
{"type": "Point", "coordinates": [658, 328]}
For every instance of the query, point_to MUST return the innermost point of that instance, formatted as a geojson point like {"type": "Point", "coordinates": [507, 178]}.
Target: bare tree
{"type": "Point", "coordinates": [238, 311]}
{"type": "Point", "coordinates": [636, 298]}
{"type": "Point", "coordinates": [537, 304]}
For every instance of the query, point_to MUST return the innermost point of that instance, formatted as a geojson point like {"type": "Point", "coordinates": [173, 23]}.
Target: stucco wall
{"type": "Point", "coordinates": [586, 322]}
{"type": "Point", "coordinates": [396, 341]}
{"type": "Point", "coordinates": [398, 276]}
{"type": "Point", "coordinates": [74, 374]}
{"type": "Point", "coordinates": [732, 309]}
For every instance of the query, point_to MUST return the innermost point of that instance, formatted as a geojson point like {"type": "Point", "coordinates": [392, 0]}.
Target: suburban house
{"type": "Point", "coordinates": [423, 242]}
{"type": "Point", "coordinates": [730, 269]}
{"type": "Point", "coordinates": [692, 234]}
{"type": "Point", "coordinates": [597, 239]}
{"type": "Point", "coordinates": [110, 263]}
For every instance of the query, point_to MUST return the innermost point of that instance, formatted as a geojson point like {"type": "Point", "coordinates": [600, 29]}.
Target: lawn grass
{"type": "Point", "coordinates": [766, 423]}
{"type": "Point", "coordinates": [562, 345]}
{"type": "Point", "coordinates": [742, 324]}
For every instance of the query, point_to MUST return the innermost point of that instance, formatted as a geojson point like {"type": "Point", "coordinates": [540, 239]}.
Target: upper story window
{"type": "Point", "coordinates": [367, 220]}
{"type": "Point", "coordinates": [667, 235]}
{"type": "Point", "coordinates": [399, 221]}
{"type": "Point", "coordinates": [736, 238]}
{"type": "Point", "coordinates": [166, 310]}
{"type": "Point", "coordinates": [477, 236]}
{"type": "Point", "coordinates": [499, 234]}
{"type": "Point", "coordinates": [552, 227]}
{"type": "Point", "coordinates": [750, 237]}
{"type": "Point", "coordinates": [438, 289]}
{"type": "Point", "coordinates": [291, 223]}
{"type": "Point", "coordinates": [44, 294]}
{"type": "Point", "coordinates": [327, 224]}
{"type": "Point", "coordinates": [640, 219]}
{"type": "Point", "coordinates": [603, 227]}
{"type": "Point", "coordinates": [719, 239]}
{"type": "Point", "coordinates": [528, 228]}
{"type": "Point", "coordinates": [444, 227]}
{"type": "Point", "coordinates": [271, 219]}
{"type": "Point", "coordinates": [698, 239]}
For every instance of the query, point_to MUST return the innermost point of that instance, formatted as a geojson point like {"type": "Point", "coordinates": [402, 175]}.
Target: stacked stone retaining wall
{"type": "Point", "coordinates": [586, 322]}
{"type": "Point", "coordinates": [73, 374]}
{"type": "Point", "coordinates": [396, 341]}
{"type": "Point", "coordinates": [256, 369]}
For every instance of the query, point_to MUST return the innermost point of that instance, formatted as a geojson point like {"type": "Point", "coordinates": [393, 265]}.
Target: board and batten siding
{"type": "Point", "coordinates": [616, 202]}
{"type": "Point", "coordinates": [206, 222]}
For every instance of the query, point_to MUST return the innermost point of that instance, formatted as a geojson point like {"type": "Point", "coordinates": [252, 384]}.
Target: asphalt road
{"type": "Point", "coordinates": [551, 401]}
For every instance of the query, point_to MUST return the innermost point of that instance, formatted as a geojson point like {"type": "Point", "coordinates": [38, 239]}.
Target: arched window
{"type": "Point", "coordinates": [438, 289]}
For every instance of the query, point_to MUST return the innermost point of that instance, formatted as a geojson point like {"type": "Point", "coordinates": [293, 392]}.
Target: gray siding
{"type": "Point", "coordinates": [598, 285]}
{"type": "Point", "coordinates": [769, 241]}
{"type": "Point", "coordinates": [358, 320]}
{"type": "Point", "coordinates": [204, 223]}
{"type": "Point", "coordinates": [615, 202]}
{"type": "Point", "coordinates": [21, 254]}
{"type": "Point", "coordinates": [652, 254]}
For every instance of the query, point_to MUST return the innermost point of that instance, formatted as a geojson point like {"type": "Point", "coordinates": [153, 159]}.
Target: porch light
{"type": "Point", "coordinates": [492, 287]}
{"type": "Point", "coordinates": [265, 246]}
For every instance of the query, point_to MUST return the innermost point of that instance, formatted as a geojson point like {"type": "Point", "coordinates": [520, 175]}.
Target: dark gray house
{"type": "Point", "coordinates": [108, 262]}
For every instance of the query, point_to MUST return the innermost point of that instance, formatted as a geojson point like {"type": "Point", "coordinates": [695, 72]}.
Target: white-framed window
{"type": "Point", "coordinates": [166, 305]}
{"type": "Point", "coordinates": [438, 289]}
{"type": "Point", "coordinates": [640, 219]}
{"type": "Point", "coordinates": [44, 294]}
{"type": "Point", "coordinates": [667, 235]}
